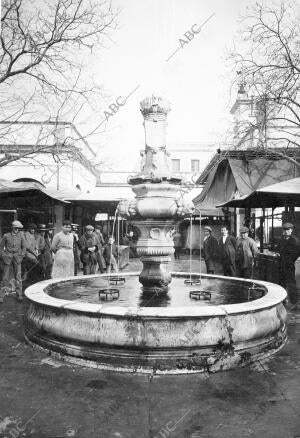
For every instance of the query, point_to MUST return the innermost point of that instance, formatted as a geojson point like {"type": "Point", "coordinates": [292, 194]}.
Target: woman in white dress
{"type": "Point", "coordinates": [62, 247]}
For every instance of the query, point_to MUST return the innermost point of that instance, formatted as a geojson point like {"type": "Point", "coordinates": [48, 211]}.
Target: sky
{"type": "Point", "coordinates": [196, 80]}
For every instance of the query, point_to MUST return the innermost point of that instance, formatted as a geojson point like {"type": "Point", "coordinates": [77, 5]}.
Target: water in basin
{"type": "Point", "coordinates": [130, 293]}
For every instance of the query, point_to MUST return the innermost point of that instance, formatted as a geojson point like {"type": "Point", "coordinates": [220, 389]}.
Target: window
{"type": "Point", "coordinates": [175, 165]}
{"type": "Point", "coordinates": [195, 166]}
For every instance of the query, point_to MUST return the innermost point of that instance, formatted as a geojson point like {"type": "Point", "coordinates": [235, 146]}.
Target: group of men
{"type": "Point", "coordinates": [24, 257]}
{"type": "Point", "coordinates": [27, 257]}
{"type": "Point", "coordinates": [237, 256]}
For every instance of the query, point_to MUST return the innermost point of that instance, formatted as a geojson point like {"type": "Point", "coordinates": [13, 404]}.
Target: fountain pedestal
{"type": "Point", "coordinates": [158, 202]}
{"type": "Point", "coordinates": [155, 246]}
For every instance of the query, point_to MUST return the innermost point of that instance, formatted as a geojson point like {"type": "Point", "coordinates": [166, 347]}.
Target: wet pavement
{"type": "Point", "coordinates": [41, 397]}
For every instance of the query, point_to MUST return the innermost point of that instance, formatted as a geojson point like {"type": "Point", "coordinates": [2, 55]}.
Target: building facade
{"type": "Point", "coordinates": [52, 154]}
{"type": "Point", "coordinates": [53, 157]}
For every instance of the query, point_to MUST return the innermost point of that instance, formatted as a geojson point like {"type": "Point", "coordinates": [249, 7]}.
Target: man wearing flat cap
{"type": "Point", "coordinates": [46, 258]}
{"type": "Point", "coordinates": [12, 251]}
{"type": "Point", "coordinates": [31, 267]}
{"type": "Point", "coordinates": [44, 240]}
{"type": "Point", "coordinates": [41, 246]}
{"type": "Point", "coordinates": [288, 251]}
{"type": "Point", "coordinates": [75, 247]}
{"type": "Point", "coordinates": [246, 251]}
{"type": "Point", "coordinates": [210, 250]}
{"type": "Point", "coordinates": [88, 245]}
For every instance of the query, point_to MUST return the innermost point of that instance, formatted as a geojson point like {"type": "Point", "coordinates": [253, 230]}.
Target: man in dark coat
{"type": "Point", "coordinates": [227, 246]}
{"type": "Point", "coordinates": [31, 267]}
{"type": "Point", "coordinates": [289, 252]}
{"type": "Point", "coordinates": [88, 244]}
{"type": "Point", "coordinates": [210, 250]}
{"type": "Point", "coordinates": [75, 248]}
{"type": "Point", "coordinates": [100, 258]}
{"type": "Point", "coordinates": [47, 255]}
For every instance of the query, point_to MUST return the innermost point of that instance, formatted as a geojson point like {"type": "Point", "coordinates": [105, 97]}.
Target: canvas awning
{"type": "Point", "coordinates": [27, 188]}
{"type": "Point", "coordinates": [234, 178]}
{"type": "Point", "coordinates": [220, 185]}
{"type": "Point", "coordinates": [274, 195]}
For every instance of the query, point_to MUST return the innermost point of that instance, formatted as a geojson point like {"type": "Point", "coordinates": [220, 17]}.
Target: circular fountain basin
{"type": "Point", "coordinates": [243, 321]}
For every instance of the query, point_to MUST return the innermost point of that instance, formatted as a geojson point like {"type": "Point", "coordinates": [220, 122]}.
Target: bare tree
{"type": "Point", "coordinates": [268, 64]}
{"type": "Point", "coordinates": [44, 48]}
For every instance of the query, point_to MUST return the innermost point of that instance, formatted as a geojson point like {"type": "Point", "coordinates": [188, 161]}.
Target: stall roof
{"type": "Point", "coordinates": [274, 195]}
{"type": "Point", "coordinates": [10, 187]}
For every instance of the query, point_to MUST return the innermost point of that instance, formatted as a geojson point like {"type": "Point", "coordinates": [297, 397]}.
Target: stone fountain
{"type": "Point", "coordinates": [158, 203]}
{"type": "Point", "coordinates": [159, 328]}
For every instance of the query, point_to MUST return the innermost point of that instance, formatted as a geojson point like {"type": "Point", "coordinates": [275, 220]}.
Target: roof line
{"type": "Point", "coordinates": [253, 153]}
{"type": "Point", "coordinates": [50, 122]}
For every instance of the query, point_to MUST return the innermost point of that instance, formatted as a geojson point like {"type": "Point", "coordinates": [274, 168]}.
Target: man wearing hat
{"type": "Point", "coordinates": [45, 255]}
{"type": "Point", "coordinates": [12, 251]}
{"type": "Point", "coordinates": [31, 242]}
{"type": "Point", "coordinates": [75, 247]}
{"type": "Point", "coordinates": [88, 245]}
{"type": "Point", "coordinates": [31, 266]}
{"type": "Point", "coordinates": [246, 251]}
{"type": "Point", "coordinates": [100, 258]}
{"type": "Point", "coordinates": [40, 238]}
{"type": "Point", "coordinates": [210, 250]}
{"type": "Point", "coordinates": [288, 252]}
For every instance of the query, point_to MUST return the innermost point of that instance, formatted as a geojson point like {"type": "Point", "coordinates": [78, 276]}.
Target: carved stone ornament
{"type": "Point", "coordinates": [155, 233]}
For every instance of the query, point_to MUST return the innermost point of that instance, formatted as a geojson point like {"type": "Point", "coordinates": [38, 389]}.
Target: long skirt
{"type": "Point", "coordinates": [63, 263]}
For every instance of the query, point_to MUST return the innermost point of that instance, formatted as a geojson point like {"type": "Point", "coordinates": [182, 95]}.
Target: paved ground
{"type": "Point", "coordinates": [43, 398]}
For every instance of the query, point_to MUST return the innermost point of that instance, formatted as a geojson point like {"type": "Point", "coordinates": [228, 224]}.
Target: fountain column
{"type": "Point", "coordinates": [158, 203]}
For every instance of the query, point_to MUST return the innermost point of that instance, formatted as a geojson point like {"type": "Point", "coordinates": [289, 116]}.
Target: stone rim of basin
{"type": "Point", "coordinates": [275, 294]}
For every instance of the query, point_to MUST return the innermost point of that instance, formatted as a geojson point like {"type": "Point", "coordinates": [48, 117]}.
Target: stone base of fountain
{"type": "Point", "coordinates": [157, 339]}
{"type": "Point", "coordinates": [165, 361]}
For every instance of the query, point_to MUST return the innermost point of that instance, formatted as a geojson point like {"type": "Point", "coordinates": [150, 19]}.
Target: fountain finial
{"type": "Point", "coordinates": [155, 105]}
{"type": "Point", "coordinates": [155, 159]}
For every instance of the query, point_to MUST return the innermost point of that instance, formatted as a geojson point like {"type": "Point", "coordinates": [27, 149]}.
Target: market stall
{"type": "Point", "coordinates": [286, 196]}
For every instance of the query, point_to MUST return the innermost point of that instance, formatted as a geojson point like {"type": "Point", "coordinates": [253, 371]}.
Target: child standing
{"type": "Point", "coordinates": [110, 254]}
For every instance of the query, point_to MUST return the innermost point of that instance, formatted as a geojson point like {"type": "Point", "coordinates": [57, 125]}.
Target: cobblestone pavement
{"type": "Point", "coordinates": [41, 397]}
